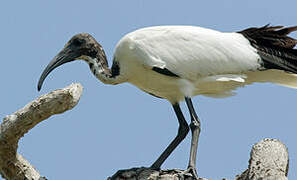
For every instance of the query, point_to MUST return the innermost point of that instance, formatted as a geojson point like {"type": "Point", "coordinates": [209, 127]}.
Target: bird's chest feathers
{"type": "Point", "coordinates": [155, 84]}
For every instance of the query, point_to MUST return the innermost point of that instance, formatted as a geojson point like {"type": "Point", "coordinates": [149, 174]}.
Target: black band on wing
{"type": "Point", "coordinates": [164, 72]}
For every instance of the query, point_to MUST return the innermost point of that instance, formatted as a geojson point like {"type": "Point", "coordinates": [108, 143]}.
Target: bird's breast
{"type": "Point", "coordinates": [158, 85]}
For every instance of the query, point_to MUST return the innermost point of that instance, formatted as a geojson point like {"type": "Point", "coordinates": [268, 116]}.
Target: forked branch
{"type": "Point", "coordinates": [14, 126]}
{"type": "Point", "coordinates": [269, 158]}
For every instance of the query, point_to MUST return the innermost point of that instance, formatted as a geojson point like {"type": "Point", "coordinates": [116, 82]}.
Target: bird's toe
{"type": "Point", "coordinates": [191, 171]}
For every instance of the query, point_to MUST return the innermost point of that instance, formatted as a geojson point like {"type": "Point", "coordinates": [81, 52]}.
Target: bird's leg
{"type": "Point", "coordinates": [195, 129]}
{"type": "Point", "coordinates": [182, 133]}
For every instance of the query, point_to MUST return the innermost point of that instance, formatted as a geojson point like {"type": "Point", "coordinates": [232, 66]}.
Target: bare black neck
{"type": "Point", "coordinates": [98, 64]}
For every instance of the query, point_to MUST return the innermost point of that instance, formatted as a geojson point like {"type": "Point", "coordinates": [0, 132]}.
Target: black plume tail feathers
{"type": "Point", "coordinates": [274, 46]}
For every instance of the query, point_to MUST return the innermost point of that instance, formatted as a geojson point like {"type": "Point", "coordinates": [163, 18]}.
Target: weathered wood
{"type": "Point", "coordinates": [269, 161]}
{"type": "Point", "coordinates": [12, 165]}
{"type": "Point", "coordinates": [269, 158]}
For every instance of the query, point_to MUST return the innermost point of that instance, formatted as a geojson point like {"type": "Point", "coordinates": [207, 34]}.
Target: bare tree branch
{"type": "Point", "coordinates": [269, 161]}
{"type": "Point", "coordinates": [269, 158]}
{"type": "Point", "coordinates": [14, 126]}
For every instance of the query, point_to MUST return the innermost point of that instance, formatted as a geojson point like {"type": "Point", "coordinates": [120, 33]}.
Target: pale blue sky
{"type": "Point", "coordinates": [116, 127]}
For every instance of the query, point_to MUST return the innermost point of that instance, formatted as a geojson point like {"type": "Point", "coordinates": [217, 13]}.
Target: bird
{"type": "Point", "coordinates": [176, 63]}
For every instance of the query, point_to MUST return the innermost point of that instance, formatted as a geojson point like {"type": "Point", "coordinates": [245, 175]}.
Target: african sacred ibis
{"type": "Point", "coordinates": [179, 62]}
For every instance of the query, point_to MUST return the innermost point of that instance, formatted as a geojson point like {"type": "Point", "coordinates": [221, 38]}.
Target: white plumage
{"type": "Point", "coordinates": [208, 62]}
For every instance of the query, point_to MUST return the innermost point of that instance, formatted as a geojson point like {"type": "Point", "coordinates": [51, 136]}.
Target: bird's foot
{"type": "Point", "coordinates": [191, 171]}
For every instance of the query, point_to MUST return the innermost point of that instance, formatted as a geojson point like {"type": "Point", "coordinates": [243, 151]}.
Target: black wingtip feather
{"type": "Point", "coordinates": [271, 36]}
{"type": "Point", "coordinates": [286, 31]}
{"type": "Point", "coordinates": [274, 46]}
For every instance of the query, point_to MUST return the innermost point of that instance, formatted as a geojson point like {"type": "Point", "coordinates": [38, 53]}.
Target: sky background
{"type": "Point", "coordinates": [119, 127]}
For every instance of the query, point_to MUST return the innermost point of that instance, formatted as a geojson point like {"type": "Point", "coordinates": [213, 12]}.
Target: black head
{"type": "Point", "coordinates": [78, 47]}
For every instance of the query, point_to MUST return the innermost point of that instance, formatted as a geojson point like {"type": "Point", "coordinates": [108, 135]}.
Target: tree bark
{"type": "Point", "coordinates": [12, 165]}
{"type": "Point", "coordinates": [269, 160]}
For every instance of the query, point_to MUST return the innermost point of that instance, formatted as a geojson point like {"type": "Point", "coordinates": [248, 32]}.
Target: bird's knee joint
{"type": "Point", "coordinates": [195, 125]}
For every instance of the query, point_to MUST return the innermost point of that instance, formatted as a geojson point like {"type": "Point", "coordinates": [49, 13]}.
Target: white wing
{"type": "Point", "coordinates": [192, 52]}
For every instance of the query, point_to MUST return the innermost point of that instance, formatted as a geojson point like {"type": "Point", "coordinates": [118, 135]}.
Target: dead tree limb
{"type": "Point", "coordinates": [269, 160]}
{"type": "Point", "coordinates": [12, 165]}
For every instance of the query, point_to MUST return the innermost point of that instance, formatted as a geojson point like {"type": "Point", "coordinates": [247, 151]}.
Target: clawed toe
{"type": "Point", "coordinates": [191, 171]}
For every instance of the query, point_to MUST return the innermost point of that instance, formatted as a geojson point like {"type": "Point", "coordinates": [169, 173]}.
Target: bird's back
{"type": "Point", "coordinates": [191, 52]}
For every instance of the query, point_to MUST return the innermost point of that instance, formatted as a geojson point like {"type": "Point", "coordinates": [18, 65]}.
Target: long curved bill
{"type": "Point", "coordinates": [64, 56]}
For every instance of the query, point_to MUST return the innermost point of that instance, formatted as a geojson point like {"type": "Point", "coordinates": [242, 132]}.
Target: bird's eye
{"type": "Point", "coordinates": [77, 42]}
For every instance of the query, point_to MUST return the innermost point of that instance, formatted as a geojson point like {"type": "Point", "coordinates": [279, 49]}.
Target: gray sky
{"type": "Point", "coordinates": [116, 127]}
